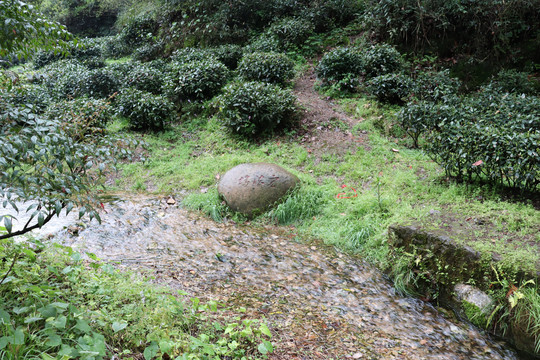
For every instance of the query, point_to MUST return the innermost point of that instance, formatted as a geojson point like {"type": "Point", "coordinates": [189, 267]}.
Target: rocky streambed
{"type": "Point", "coordinates": [318, 302]}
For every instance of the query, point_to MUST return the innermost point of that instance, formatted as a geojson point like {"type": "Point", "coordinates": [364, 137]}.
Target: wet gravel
{"type": "Point", "coordinates": [319, 302]}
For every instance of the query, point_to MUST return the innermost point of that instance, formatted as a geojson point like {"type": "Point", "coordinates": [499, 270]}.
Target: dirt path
{"type": "Point", "coordinates": [328, 131]}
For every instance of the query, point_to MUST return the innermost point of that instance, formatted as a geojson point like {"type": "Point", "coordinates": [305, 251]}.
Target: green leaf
{"type": "Point", "coordinates": [265, 347]}
{"type": "Point", "coordinates": [18, 337]}
{"type": "Point", "coordinates": [41, 219]}
{"type": "Point", "coordinates": [118, 326]}
{"type": "Point", "coordinates": [83, 326]}
{"type": "Point", "coordinates": [151, 351]}
{"type": "Point", "coordinates": [4, 340]}
{"type": "Point", "coordinates": [7, 224]}
{"type": "Point", "coordinates": [4, 316]}
{"type": "Point", "coordinates": [32, 319]}
{"type": "Point", "coordinates": [60, 322]}
{"type": "Point", "coordinates": [264, 330]}
{"type": "Point", "coordinates": [54, 340]}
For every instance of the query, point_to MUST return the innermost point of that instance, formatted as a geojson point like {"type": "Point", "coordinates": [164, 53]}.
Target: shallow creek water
{"type": "Point", "coordinates": [318, 302]}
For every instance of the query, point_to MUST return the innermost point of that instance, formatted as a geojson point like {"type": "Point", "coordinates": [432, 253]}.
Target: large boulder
{"type": "Point", "coordinates": [253, 188]}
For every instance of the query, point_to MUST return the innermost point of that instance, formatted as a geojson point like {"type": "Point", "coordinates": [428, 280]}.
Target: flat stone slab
{"type": "Point", "coordinates": [254, 187]}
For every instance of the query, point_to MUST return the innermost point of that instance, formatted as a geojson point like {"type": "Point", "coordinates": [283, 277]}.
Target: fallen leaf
{"type": "Point", "coordinates": [395, 150]}
{"type": "Point", "coordinates": [423, 342]}
{"type": "Point", "coordinates": [171, 201]}
{"type": "Point", "coordinates": [478, 163]}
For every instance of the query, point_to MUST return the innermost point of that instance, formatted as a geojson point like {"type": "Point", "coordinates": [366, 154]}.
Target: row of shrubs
{"type": "Point", "coordinates": [493, 134]}
{"type": "Point", "coordinates": [381, 71]}
{"type": "Point", "coordinates": [490, 136]}
{"type": "Point", "coordinates": [149, 94]}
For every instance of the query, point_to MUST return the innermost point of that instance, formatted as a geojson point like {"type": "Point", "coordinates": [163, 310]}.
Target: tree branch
{"type": "Point", "coordinates": [27, 229]}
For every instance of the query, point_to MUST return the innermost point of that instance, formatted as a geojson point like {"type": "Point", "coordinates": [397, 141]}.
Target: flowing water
{"type": "Point", "coordinates": [319, 303]}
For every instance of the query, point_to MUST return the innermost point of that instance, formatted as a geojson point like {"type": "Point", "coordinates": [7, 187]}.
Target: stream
{"type": "Point", "coordinates": [319, 303]}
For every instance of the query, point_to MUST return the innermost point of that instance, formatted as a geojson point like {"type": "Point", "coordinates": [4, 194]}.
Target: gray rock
{"type": "Point", "coordinates": [475, 297]}
{"type": "Point", "coordinates": [252, 188]}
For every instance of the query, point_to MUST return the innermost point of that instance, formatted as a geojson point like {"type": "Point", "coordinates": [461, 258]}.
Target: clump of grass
{"type": "Point", "coordinates": [302, 203]}
{"type": "Point", "coordinates": [208, 203]}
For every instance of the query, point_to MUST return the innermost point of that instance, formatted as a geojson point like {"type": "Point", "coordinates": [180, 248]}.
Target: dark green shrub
{"type": "Point", "coordinates": [84, 50]}
{"type": "Point", "coordinates": [81, 117]}
{"type": "Point", "coordinates": [291, 32]}
{"type": "Point", "coordinates": [434, 86]}
{"type": "Point", "coordinates": [265, 42]}
{"type": "Point", "coordinates": [496, 29]}
{"type": "Point", "coordinates": [35, 96]}
{"type": "Point", "coordinates": [148, 52]}
{"type": "Point", "coordinates": [254, 108]}
{"type": "Point", "coordinates": [114, 47]}
{"type": "Point", "coordinates": [145, 78]}
{"type": "Point", "coordinates": [511, 81]}
{"type": "Point", "coordinates": [390, 88]}
{"type": "Point", "coordinates": [338, 64]}
{"type": "Point", "coordinates": [267, 67]}
{"type": "Point", "coordinates": [197, 80]}
{"type": "Point", "coordinates": [328, 14]}
{"type": "Point", "coordinates": [494, 137]}
{"type": "Point", "coordinates": [190, 54]}
{"type": "Point", "coordinates": [417, 118]}
{"type": "Point", "coordinates": [62, 78]}
{"type": "Point", "coordinates": [121, 70]}
{"type": "Point", "coordinates": [138, 31]}
{"type": "Point", "coordinates": [46, 57]}
{"type": "Point", "coordinates": [381, 59]}
{"type": "Point", "coordinates": [228, 54]}
{"type": "Point", "coordinates": [145, 111]}
{"type": "Point", "coordinates": [97, 83]}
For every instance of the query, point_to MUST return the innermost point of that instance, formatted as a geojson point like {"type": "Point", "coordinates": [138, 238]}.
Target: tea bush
{"type": "Point", "coordinates": [148, 52]}
{"type": "Point", "coordinates": [121, 70]}
{"type": "Point", "coordinates": [338, 64]}
{"type": "Point", "coordinates": [291, 32]}
{"type": "Point", "coordinates": [145, 78]}
{"type": "Point", "coordinates": [190, 54]}
{"type": "Point", "coordinates": [390, 88]}
{"type": "Point", "coordinates": [254, 108]}
{"type": "Point", "coordinates": [196, 80]}
{"type": "Point", "coordinates": [62, 78]}
{"type": "Point", "coordinates": [85, 49]}
{"type": "Point", "coordinates": [489, 136]}
{"type": "Point", "coordinates": [265, 42]}
{"type": "Point", "coordinates": [273, 68]}
{"type": "Point", "coordinates": [512, 81]}
{"type": "Point", "coordinates": [46, 57]}
{"type": "Point", "coordinates": [228, 54]}
{"type": "Point", "coordinates": [489, 28]}
{"type": "Point", "coordinates": [381, 59]}
{"type": "Point", "coordinates": [418, 118]}
{"type": "Point", "coordinates": [434, 86]}
{"type": "Point", "coordinates": [325, 15]}
{"type": "Point", "coordinates": [35, 96]}
{"type": "Point", "coordinates": [138, 31]}
{"type": "Point", "coordinates": [145, 111]}
{"type": "Point", "coordinates": [81, 117]}
{"type": "Point", "coordinates": [97, 83]}
{"type": "Point", "coordinates": [115, 48]}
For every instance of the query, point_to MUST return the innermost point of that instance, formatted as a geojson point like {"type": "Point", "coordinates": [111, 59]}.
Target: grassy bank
{"type": "Point", "coordinates": [57, 305]}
